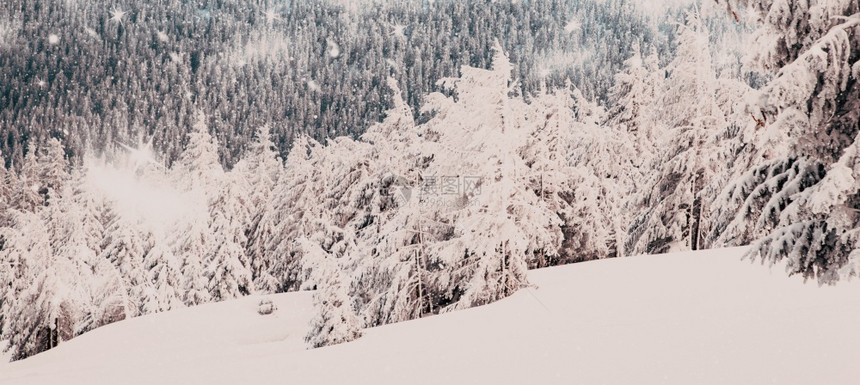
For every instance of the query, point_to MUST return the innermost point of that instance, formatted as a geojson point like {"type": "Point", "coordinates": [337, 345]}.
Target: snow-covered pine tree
{"type": "Point", "coordinates": [547, 154]}
{"type": "Point", "coordinates": [336, 196]}
{"type": "Point", "coordinates": [501, 224]}
{"type": "Point", "coordinates": [200, 174]}
{"type": "Point", "coordinates": [53, 168]}
{"type": "Point", "coordinates": [191, 249]}
{"type": "Point", "coordinates": [43, 299]}
{"type": "Point", "coordinates": [198, 166]}
{"type": "Point", "coordinates": [85, 210]}
{"type": "Point", "coordinates": [396, 271]}
{"type": "Point", "coordinates": [395, 138]}
{"type": "Point", "coordinates": [327, 190]}
{"type": "Point", "coordinates": [747, 208]}
{"type": "Point", "coordinates": [125, 245]}
{"type": "Point", "coordinates": [164, 283]}
{"type": "Point", "coordinates": [493, 248]}
{"type": "Point", "coordinates": [260, 170]}
{"type": "Point", "coordinates": [7, 181]}
{"type": "Point", "coordinates": [25, 194]}
{"type": "Point", "coordinates": [264, 262]}
{"type": "Point", "coordinates": [634, 98]}
{"type": "Point", "coordinates": [814, 101]}
{"type": "Point", "coordinates": [335, 320]}
{"type": "Point", "coordinates": [164, 289]}
{"type": "Point", "coordinates": [46, 312]}
{"type": "Point", "coordinates": [74, 220]}
{"type": "Point", "coordinates": [226, 265]}
{"type": "Point", "coordinates": [819, 232]}
{"type": "Point", "coordinates": [76, 232]}
{"type": "Point", "coordinates": [838, 198]}
{"type": "Point", "coordinates": [107, 297]}
{"type": "Point", "coordinates": [559, 154]}
{"type": "Point", "coordinates": [673, 207]}
{"type": "Point", "coordinates": [25, 241]}
{"type": "Point", "coordinates": [295, 194]}
{"type": "Point", "coordinates": [738, 152]}
{"type": "Point", "coordinates": [600, 170]}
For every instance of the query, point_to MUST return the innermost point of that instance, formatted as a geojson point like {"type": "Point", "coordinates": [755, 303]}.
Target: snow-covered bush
{"type": "Point", "coordinates": [266, 307]}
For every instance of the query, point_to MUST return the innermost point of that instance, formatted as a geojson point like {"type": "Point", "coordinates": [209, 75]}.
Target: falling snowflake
{"type": "Point", "coordinates": [116, 15]}
{"type": "Point", "coordinates": [399, 30]}
{"type": "Point", "coordinates": [313, 85]}
{"type": "Point", "coordinates": [142, 155]}
{"type": "Point", "coordinates": [53, 39]}
{"type": "Point", "coordinates": [162, 36]}
{"type": "Point", "coordinates": [272, 16]}
{"type": "Point", "coordinates": [572, 25]}
{"type": "Point", "coordinates": [41, 83]}
{"type": "Point", "coordinates": [332, 48]}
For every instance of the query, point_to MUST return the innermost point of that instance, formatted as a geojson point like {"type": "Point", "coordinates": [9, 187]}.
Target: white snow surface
{"type": "Point", "coordinates": [684, 318]}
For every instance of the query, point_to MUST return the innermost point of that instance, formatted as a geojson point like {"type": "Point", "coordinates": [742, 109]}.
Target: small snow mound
{"type": "Point", "coordinates": [266, 307]}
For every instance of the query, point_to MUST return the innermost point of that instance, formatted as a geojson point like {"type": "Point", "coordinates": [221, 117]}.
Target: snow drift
{"type": "Point", "coordinates": [686, 318]}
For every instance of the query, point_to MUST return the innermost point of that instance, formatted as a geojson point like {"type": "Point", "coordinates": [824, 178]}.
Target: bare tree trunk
{"type": "Point", "coordinates": [696, 210]}
{"type": "Point", "coordinates": [418, 277]}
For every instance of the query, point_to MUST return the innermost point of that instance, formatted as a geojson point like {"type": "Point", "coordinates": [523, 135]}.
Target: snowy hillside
{"type": "Point", "coordinates": [686, 318]}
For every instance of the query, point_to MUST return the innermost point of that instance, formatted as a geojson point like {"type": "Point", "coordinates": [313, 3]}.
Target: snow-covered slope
{"type": "Point", "coordinates": [686, 318]}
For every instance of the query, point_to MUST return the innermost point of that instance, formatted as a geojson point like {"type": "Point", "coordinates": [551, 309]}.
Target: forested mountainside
{"type": "Point", "coordinates": [94, 74]}
{"type": "Point", "coordinates": [420, 216]}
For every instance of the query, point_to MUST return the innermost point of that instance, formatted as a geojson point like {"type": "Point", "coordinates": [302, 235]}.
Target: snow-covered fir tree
{"type": "Point", "coordinates": [201, 175]}
{"type": "Point", "coordinates": [53, 168]}
{"type": "Point", "coordinates": [165, 281]}
{"type": "Point", "coordinates": [227, 267]}
{"type": "Point", "coordinates": [198, 166]}
{"type": "Point", "coordinates": [602, 175]}
{"type": "Point", "coordinates": [635, 100]}
{"type": "Point", "coordinates": [500, 225]}
{"type": "Point", "coordinates": [335, 321]}
{"type": "Point", "coordinates": [125, 246]}
{"type": "Point", "coordinates": [674, 204]}
{"type": "Point", "coordinates": [807, 190]}
{"type": "Point", "coordinates": [394, 267]}
{"type": "Point", "coordinates": [25, 194]}
{"type": "Point", "coordinates": [259, 172]}
{"type": "Point", "coordinates": [25, 243]}
{"type": "Point", "coordinates": [40, 303]}
{"type": "Point", "coordinates": [288, 220]}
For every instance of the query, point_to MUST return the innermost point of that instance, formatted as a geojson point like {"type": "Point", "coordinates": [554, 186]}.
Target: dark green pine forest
{"type": "Point", "coordinates": [95, 74]}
